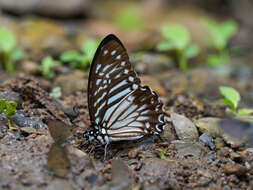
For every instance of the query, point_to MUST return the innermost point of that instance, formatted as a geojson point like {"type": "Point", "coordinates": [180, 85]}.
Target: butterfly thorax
{"type": "Point", "coordinates": [97, 136]}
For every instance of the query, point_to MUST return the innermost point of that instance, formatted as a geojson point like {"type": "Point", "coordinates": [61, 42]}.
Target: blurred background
{"type": "Point", "coordinates": [188, 45]}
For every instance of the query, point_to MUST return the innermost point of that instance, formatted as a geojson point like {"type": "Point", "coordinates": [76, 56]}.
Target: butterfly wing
{"type": "Point", "coordinates": [111, 79]}
{"type": "Point", "coordinates": [138, 114]}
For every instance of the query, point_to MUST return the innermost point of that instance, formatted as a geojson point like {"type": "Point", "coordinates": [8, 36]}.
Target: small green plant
{"type": "Point", "coordinates": [220, 34]}
{"type": "Point", "coordinates": [162, 154]}
{"type": "Point", "coordinates": [81, 60]}
{"type": "Point", "coordinates": [9, 53]}
{"type": "Point", "coordinates": [129, 19]}
{"type": "Point", "coordinates": [177, 40]}
{"type": "Point", "coordinates": [231, 99]}
{"type": "Point", "coordinates": [47, 65]}
{"type": "Point", "coordinates": [10, 108]}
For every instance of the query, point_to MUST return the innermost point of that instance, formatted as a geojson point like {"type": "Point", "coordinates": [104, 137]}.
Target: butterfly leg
{"type": "Point", "coordinates": [105, 153]}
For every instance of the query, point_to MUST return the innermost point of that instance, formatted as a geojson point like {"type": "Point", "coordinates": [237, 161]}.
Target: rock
{"type": "Point", "coordinates": [152, 63]}
{"type": "Point", "coordinates": [64, 8]}
{"type": "Point", "coordinates": [185, 129]}
{"type": "Point", "coordinates": [236, 169]}
{"type": "Point", "coordinates": [29, 67]}
{"type": "Point", "coordinates": [23, 121]}
{"type": "Point", "coordinates": [11, 96]}
{"type": "Point", "coordinates": [72, 82]}
{"type": "Point", "coordinates": [234, 132]}
{"type": "Point", "coordinates": [186, 149]}
{"type": "Point", "coordinates": [27, 130]}
{"type": "Point", "coordinates": [209, 125]}
{"type": "Point", "coordinates": [238, 132]}
{"type": "Point", "coordinates": [207, 140]}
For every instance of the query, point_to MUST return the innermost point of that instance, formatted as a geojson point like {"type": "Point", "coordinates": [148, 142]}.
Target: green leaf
{"type": "Point", "coordinates": [191, 51]}
{"type": "Point", "coordinates": [228, 29]}
{"type": "Point", "coordinates": [231, 96]}
{"type": "Point", "coordinates": [176, 34]}
{"type": "Point", "coordinates": [164, 46]}
{"type": "Point", "coordinates": [89, 48]}
{"type": "Point", "coordinates": [2, 105]}
{"type": "Point", "coordinates": [162, 154]}
{"type": "Point", "coordinates": [11, 108]}
{"type": "Point", "coordinates": [229, 104]}
{"type": "Point", "coordinates": [215, 60]}
{"type": "Point", "coordinates": [69, 56]}
{"type": "Point", "coordinates": [245, 111]}
{"type": "Point", "coordinates": [220, 33]}
{"type": "Point", "coordinates": [17, 54]}
{"type": "Point", "coordinates": [7, 40]}
{"type": "Point", "coordinates": [48, 63]}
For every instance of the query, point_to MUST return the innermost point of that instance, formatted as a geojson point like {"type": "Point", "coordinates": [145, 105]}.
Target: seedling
{"type": "Point", "coordinates": [162, 154]}
{"type": "Point", "coordinates": [220, 34]}
{"type": "Point", "coordinates": [9, 53]}
{"type": "Point", "coordinates": [84, 59]}
{"type": "Point", "coordinates": [48, 63]}
{"type": "Point", "coordinates": [231, 99]}
{"type": "Point", "coordinates": [10, 109]}
{"type": "Point", "coordinates": [178, 41]}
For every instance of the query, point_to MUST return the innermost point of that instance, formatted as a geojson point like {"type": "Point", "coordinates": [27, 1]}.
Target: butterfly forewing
{"type": "Point", "coordinates": [111, 79]}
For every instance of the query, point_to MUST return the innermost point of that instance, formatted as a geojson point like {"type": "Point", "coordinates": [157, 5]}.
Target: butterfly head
{"type": "Point", "coordinates": [96, 137]}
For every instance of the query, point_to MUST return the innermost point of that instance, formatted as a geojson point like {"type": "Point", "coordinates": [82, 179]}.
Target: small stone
{"type": "Point", "coordinates": [184, 127]}
{"type": "Point", "coordinates": [28, 130]}
{"type": "Point", "coordinates": [22, 121]}
{"type": "Point", "coordinates": [207, 140]}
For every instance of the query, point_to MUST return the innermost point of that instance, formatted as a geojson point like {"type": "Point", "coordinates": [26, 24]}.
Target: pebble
{"type": "Point", "coordinates": [207, 140]}
{"type": "Point", "coordinates": [184, 127]}
{"type": "Point", "coordinates": [22, 121]}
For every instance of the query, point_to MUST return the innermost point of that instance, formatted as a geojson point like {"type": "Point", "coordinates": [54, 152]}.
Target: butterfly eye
{"type": "Point", "coordinates": [120, 107]}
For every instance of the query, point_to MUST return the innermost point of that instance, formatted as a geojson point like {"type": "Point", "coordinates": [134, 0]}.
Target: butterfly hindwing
{"type": "Point", "coordinates": [111, 79]}
{"type": "Point", "coordinates": [138, 114]}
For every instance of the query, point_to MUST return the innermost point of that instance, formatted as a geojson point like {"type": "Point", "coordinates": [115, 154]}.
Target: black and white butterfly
{"type": "Point", "coordinates": [120, 108]}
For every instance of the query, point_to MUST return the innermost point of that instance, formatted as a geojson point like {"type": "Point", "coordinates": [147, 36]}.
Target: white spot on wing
{"type": "Point", "coordinates": [98, 81]}
{"type": "Point", "coordinates": [131, 79]}
{"type": "Point", "coordinates": [113, 52]}
{"type": "Point", "coordinates": [118, 57]}
{"type": "Point", "coordinates": [135, 86]}
{"type": "Point", "coordinates": [123, 63]}
{"type": "Point", "coordinates": [98, 67]}
{"type": "Point", "coordinates": [105, 51]}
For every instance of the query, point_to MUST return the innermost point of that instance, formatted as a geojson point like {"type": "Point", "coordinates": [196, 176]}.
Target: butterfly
{"type": "Point", "coordinates": [120, 108]}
